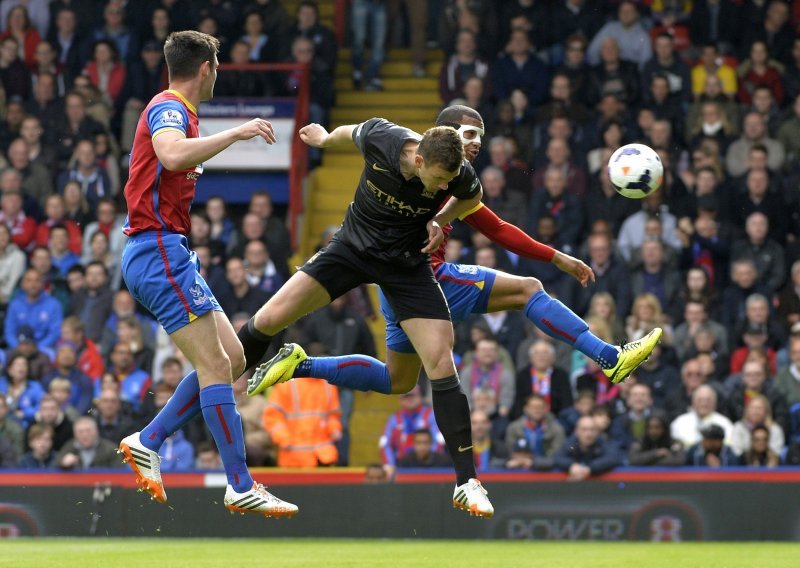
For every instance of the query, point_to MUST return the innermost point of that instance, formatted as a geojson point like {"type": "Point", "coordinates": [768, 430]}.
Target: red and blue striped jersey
{"type": "Point", "coordinates": [159, 199]}
{"type": "Point", "coordinates": [398, 436]}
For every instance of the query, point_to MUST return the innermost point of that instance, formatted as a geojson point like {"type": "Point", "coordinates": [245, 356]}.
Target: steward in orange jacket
{"type": "Point", "coordinates": [304, 420]}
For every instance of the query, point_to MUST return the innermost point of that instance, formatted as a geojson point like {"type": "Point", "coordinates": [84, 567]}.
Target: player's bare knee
{"type": "Point", "coordinates": [217, 368]}
{"type": "Point", "coordinates": [531, 286]}
{"type": "Point", "coordinates": [441, 365]}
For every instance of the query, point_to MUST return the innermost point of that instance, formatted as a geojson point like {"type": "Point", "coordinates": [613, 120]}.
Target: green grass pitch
{"type": "Point", "coordinates": [309, 553]}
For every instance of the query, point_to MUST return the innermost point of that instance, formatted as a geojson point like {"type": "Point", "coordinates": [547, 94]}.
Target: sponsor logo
{"type": "Point", "coordinates": [16, 520]}
{"type": "Point", "coordinates": [377, 168]}
{"type": "Point", "coordinates": [460, 449]}
{"type": "Point", "coordinates": [395, 204]}
{"type": "Point", "coordinates": [566, 528]}
{"type": "Point", "coordinates": [666, 528]}
{"type": "Point", "coordinates": [655, 520]}
{"type": "Point", "coordinates": [466, 268]}
{"type": "Point", "coordinates": [196, 173]}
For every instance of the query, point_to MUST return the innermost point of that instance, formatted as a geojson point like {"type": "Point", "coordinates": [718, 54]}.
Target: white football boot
{"type": "Point", "coordinates": [146, 464]}
{"type": "Point", "coordinates": [258, 500]}
{"type": "Point", "coordinates": [472, 497]}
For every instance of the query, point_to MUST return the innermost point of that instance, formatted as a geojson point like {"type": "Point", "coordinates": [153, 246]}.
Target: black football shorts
{"type": "Point", "coordinates": [413, 292]}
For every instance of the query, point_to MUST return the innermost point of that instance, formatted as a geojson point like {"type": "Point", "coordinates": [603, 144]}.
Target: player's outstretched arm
{"type": "Point", "coordinates": [514, 239]}
{"type": "Point", "coordinates": [506, 234]}
{"type": "Point", "coordinates": [316, 136]}
{"type": "Point", "coordinates": [176, 152]}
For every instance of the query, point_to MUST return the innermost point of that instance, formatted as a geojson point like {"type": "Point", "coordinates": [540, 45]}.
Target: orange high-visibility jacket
{"type": "Point", "coordinates": [302, 415]}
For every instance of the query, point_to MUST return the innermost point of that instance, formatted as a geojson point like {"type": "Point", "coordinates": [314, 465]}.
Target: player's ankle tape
{"type": "Point", "coordinates": [445, 384]}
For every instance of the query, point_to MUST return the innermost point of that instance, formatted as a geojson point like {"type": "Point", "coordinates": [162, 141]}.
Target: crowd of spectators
{"type": "Point", "coordinates": [713, 257]}
{"type": "Point", "coordinates": [82, 364]}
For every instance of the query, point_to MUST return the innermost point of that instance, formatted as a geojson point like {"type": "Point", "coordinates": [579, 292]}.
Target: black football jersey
{"type": "Point", "coordinates": [389, 214]}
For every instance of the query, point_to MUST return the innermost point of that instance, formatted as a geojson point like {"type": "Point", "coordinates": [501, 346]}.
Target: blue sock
{"type": "Point", "coordinates": [358, 372]}
{"type": "Point", "coordinates": [182, 406]}
{"type": "Point", "coordinates": [559, 322]}
{"type": "Point", "coordinates": [225, 423]}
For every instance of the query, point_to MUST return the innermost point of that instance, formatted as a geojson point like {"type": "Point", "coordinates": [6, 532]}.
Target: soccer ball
{"type": "Point", "coordinates": [635, 171]}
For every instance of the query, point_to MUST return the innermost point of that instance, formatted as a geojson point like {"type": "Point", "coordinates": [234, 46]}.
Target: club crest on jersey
{"type": "Point", "coordinates": [199, 297]}
{"type": "Point", "coordinates": [171, 118]}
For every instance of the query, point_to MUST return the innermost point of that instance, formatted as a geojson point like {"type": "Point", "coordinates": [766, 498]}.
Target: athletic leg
{"type": "Point", "coordinates": [301, 295]}
{"type": "Point", "coordinates": [433, 340]}
{"type": "Point", "coordinates": [328, 274]}
{"type": "Point", "coordinates": [360, 372]}
{"type": "Point", "coordinates": [550, 315]}
{"type": "Point", "coordinates": [184, 404]}
{"type": "Point", "coordinates": [201, 344]}
{"type": "Point", "coordinates": [404, 370]}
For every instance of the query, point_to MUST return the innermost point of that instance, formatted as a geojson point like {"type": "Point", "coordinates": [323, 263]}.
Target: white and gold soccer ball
{"type": "Point", "coordinates": [635, 171]}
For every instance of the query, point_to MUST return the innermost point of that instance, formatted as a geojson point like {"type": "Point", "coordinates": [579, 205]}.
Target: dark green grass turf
{"type": "Point", "coordinates": [278, 553]}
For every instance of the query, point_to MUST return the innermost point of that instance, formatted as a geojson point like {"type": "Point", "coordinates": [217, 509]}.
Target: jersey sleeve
{"type": "Point", "coordinates": [509, 236]}
{"type": "Point", "coordinates": [166, 116]}
{"type": "Point", "coordinates": [379, 141]}
{"type": "Point", "coordinates": [467, 185]}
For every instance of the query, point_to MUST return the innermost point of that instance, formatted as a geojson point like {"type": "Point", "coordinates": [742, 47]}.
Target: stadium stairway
{"type": "Point", "coordinates": [412, 102]}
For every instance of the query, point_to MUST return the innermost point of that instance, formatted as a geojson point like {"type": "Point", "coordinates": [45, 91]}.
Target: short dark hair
{"type": "Point", "coordinates": [601, 409]}
{"type": "Point", "coordinates": [110, 45]}
{"type": "Point", "coordinates": [100, 264]}
{"type": "Point", "coordinates": [759, 428]}
{"type": "Point", "coordinates": [58, 227]}
{"type": "Point", "coordinates": [186, 51]}
{"type": "Point", "coordinates": [451, 116]}
{"type": "Point", "coordinates": [441, 146]}
{"type": "Point", "coordinates": [424, 431]}
{"type": "Point", "coordinates": [309, 4]}
{"type": "Point", "coordinates": [76, 268]}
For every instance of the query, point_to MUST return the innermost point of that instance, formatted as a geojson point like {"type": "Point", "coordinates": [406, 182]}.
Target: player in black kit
{"type": "Point", "coordinates": [389, 230]}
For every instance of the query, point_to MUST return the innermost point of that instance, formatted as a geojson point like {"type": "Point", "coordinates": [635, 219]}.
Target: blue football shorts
{"type": "Point", "coordinates": [465, 286]}
{"type": "Point", "coordinates": [163, 275]}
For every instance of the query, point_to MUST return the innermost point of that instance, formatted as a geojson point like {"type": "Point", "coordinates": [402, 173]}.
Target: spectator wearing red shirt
{"type": "Point", "coordinates": [90, 361]}
{"type": "Point", "coordinates": [105, 70]}
{"type": "Point", "coordinates": [54, 210]}
{"type": "Point", "coordinates": [23, 228]}
{"type": "Point", "coordinates": [21, 29]}
{"type": "Point", "coordinates": [758, 70]}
